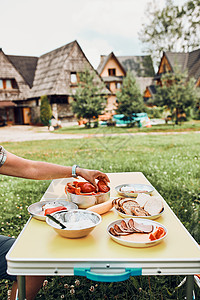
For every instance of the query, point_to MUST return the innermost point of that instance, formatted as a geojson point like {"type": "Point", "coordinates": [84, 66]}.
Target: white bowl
{"type": "Point", "coordinates": [36, 211]}
{"type": "Point", "coordinates": [85, 201]}
{"type": "Point", "coordinates": [79, 223]}
{"type": "Point", "coordinates": [137, 189]}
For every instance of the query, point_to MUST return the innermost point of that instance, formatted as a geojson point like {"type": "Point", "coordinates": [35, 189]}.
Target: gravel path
{"type": "Point", "coordinates": [22, 133]}
{"type": "Point", "coordinates": [31, 133]}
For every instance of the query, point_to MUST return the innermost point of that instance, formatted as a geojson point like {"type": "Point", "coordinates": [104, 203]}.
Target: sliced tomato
{"type": "Point", "coordinates": [88, 188]}
{"type": "Point", "coordinates": [49, 211]}
{"type": "Point", "coordinates": [152, 237]}
{"type": "Point", "coordinates": [160, 232]}
{"type": "Point", "coordinates": [103, 186]}
{"type": "Point", "coordinates": [77, 191]}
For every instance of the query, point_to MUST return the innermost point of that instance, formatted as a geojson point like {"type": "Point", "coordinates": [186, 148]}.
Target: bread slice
{"type": "Point", "coordinates": [142, 199]}
{"type": "Point", "coordinates": [154, 205]}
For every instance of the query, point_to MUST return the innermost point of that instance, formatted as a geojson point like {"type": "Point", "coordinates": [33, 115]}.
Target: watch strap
{"type": "Point", "coordinates": [74, 170]}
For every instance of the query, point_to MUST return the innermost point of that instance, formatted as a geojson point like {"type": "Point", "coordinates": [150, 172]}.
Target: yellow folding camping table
{"type": "Point", "coordinates": [39, 250]}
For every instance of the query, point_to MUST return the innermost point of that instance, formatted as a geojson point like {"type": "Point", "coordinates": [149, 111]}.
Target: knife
{"type": "Point", "coordinates": [56, 221]}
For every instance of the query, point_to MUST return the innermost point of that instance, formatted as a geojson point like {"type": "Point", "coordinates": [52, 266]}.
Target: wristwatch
{"type": "Point", "coordinates": [74, 170]}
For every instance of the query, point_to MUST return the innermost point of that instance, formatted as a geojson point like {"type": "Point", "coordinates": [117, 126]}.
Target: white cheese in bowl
{"type": "Point", "coordinates": [127, 189]}
{"type": "Point", "coordinates": [78, 224]}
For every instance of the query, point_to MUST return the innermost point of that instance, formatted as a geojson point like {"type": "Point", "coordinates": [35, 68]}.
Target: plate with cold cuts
{"type": "Point", "coordinates": [143, 206]}
{"type": "Point", "coordinates": [132, 190]}
{"type": "Point", "coordinates": [136, 232]}
{"type": "Point", "coordinates": [39, 209]}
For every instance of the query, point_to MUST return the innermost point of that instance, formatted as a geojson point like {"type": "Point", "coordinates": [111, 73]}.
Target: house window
{"type": "Point", "coordinates": [111, 72]}
{"type": "Point", "coordinates": [7, 84]}
{"type": "Point", "coordinates": [118, 85]}
{"type": "Point", "coordinates": [73, 77]}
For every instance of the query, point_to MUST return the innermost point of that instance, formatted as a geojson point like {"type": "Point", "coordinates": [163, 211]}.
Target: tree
{"type": "Point", "coordinates": [45, 110]}
{"type": "Point", "coordinates": [176, 93]}
{"type": "Point", "coordinates": [171, 28]}
{"type": "Point", "coordinates": [129, 99]}
{"type": "Point", "coordinates": [89, 101]}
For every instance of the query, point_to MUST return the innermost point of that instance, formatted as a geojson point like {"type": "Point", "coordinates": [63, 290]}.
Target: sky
{"type": "Point", "coordinates": [35, 27]}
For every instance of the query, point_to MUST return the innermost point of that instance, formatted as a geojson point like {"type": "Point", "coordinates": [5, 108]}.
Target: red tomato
{"type": "Point", "coordinates": [49, 211]}
{"type": "Point", "coordinates": [87, 188]}
{"type": "Point", "coordinates": [103, 186]}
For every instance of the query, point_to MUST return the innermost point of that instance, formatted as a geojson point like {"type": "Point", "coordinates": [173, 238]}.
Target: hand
{"type": "Point", "coordinates": [91, 175]}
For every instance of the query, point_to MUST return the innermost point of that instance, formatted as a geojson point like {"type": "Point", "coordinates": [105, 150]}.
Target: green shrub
{"type": "Point", "coordinates": [45, 111]}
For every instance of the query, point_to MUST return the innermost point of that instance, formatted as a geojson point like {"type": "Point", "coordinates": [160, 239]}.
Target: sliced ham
{"type": "Point", "coordinates": [126, 228]}
{"type": "Point", "coordinates": [145, 228]}
{"type": "Point", "coordinates": [128, 205]}
{"type": "Point", "coordinates": [154, 206]}
{"type": "Point", "coordinates": [138, 211]}
{"type": "Point", "coordinates": [142, 199]}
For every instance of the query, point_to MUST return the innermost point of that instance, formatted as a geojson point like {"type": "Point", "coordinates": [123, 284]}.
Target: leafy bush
{"type": "Point", "coordinates": [45, 111]}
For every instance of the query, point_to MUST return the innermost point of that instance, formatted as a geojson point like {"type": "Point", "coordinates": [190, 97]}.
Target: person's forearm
{"type": "Point", "coordinates": [19, 167]}
{"type": "Point", "coordinates": [25, 168]}
{"type": "Point", "coordinates": [46, 171]}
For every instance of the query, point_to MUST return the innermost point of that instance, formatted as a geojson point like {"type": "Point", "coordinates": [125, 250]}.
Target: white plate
{"type": "Point", "coordinates": [137, 188]}
{"type": "Point", "coordinates": [36, 211]}
{"type": "Point", "coordinates": [143, 217]}
{"type": "Point", "coordinates": [146, 242]}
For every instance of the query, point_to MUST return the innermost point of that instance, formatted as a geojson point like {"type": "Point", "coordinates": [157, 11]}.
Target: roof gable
{"type": "Point", "coordinates": [105, 61]}
{"type": "Point", "coordinates": [194, 64]}
{"type": "Point", "coordinates": [189, 61]}
{"type": "Point", "coordinates": [177, 60]}
{"type": "Point", "coordinates": [140, 66]}
{"type": "Point", "coordinates": [25, 65]}
{"type": "Point", "coordinates": [53, 70]}
{"type": "Point", "coordinates": [49, 67]}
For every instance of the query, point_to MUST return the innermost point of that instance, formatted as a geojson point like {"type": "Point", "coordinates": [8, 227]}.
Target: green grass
{"type": "Point", "coordinates": [170, 162]}
{"type": "Point", "coordinates": [193, 125]}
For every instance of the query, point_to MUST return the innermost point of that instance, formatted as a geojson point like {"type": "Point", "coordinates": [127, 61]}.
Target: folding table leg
{"type": "Point", "coordinates": [21, 287]}
{"type": "Point", "coordinates": [189, 287]}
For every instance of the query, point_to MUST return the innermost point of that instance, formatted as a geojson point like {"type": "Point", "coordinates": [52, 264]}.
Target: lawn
{"type": "Point", "coordinates": [170, 162]}
{"type": "Point", "coordinates": [193, 125]}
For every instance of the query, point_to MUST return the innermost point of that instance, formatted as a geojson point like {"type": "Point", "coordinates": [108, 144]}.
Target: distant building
{"type": "Point", "coordinates": [113, 69]}
{"type": "Point", "coordinates": [16, 81]}
{"type": "Point", "coordinates": [189, 62]}
{"type": "Point", "coordinates": [24, 79]}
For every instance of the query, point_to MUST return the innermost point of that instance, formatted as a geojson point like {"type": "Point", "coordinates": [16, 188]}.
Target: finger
{"type": "Point", "coordinates": [103, 177]}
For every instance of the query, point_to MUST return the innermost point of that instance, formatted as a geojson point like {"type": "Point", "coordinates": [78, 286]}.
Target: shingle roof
{"type": "Point", "coordinates": [189, 61]}
{"type": "Point", "coordinates": [177, 59]}
{"type": "Point", "coordinates": [140, 66]}
{"type": "Point", "coordinates": [48, 69]}
{"type": "Point", "coordinates": [25, 65]}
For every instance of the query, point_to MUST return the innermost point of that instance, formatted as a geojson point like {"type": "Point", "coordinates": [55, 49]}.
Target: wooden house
{"type": "Point", "coordinates": [16, 81]}
{"type": "Point", "coordinates": [189, 62]}
{"type": "Point", "coordinates": [113, 69]}
{"type": "Point", "coordinates": [54, 74]}
{"type": "Point", "coordinates": [57, 77]}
